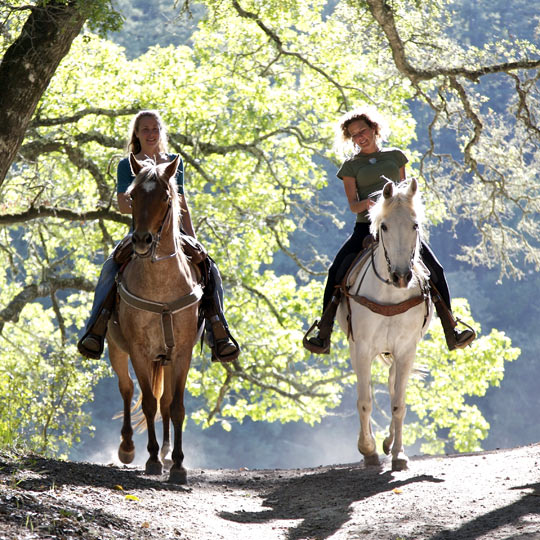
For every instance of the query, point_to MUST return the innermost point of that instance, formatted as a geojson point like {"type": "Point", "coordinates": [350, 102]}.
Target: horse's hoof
{"type": "Point", "coordinates": [372, 460]}
{"type": "Point", "coordinates": [126, 456]}
{"type": "Point", "coordinates": [387, 445]}
{"type": "Point", "coordinates": [178, 476]}
{"type": "Point", "coordinates": [153, 467]}
{"type": "Point", "coordinates": [400, 464]}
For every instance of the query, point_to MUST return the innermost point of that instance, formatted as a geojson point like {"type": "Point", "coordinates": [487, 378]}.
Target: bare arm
{"type": "Point", "coordinates": [124, 203]}
{"type": "Point", "coordinates": [402, 173]}
{"type": "Point", "coordinates": [356, 206]}
{"type": "Point", "coordinates": [187, 224]}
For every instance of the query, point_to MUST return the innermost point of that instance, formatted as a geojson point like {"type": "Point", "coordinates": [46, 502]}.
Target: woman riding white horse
{"type": "Point", "coordinates": [363, 174]}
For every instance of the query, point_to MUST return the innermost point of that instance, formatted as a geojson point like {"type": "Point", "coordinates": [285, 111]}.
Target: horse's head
{"type": "Point", "coordinates": [396, 219]}
{"type": "Point", "coordinates": [154, 203]}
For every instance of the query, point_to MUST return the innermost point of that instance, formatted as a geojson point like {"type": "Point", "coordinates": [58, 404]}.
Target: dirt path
{"type": "Point", "coordinates": [491, 495]}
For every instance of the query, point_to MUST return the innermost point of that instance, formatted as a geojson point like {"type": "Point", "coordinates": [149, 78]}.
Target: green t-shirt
{"type": "Point", "coordinates": [369, 170]}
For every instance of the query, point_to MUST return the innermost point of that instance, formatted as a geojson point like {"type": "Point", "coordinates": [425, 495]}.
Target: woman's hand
{"type": "Point", "coordinates": [356, 206]}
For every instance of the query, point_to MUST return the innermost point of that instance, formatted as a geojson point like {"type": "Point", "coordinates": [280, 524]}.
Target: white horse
{"type": "Point", "coordinates": [390, 312]}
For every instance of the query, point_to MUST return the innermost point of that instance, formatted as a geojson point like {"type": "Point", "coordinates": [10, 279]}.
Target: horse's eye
{"type": "Point", "coordinates": [415, 226]}
{"type": "Point", "coordinates": [384, 227]}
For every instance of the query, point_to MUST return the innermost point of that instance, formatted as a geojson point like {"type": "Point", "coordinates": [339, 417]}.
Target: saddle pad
{"type": "Point", "coordinates": [361, 259]}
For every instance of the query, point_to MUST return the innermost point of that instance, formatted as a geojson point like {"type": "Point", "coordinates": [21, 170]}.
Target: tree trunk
{"type": "Point", "coordinates": [27, 68]}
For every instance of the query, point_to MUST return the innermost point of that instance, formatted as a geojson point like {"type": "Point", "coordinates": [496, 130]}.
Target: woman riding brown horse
{"type": "Point", "coordinates": [155, 321]}
{"type": "Point", "coordinates": [147, 139]}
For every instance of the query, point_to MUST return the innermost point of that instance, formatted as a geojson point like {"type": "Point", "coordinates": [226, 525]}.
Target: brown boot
{"type": "Point", "coordinates": [455, 339]}
{"type": "Point", "coordinates": [320, 344]}
{"type": "Point", "coordinates": [225, 348]}
{"type": "Point", "coordinates": [92, 343]}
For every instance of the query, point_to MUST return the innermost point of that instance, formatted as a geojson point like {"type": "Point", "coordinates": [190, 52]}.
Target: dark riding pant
{"type": "Point", "coordinates": [353, 245]}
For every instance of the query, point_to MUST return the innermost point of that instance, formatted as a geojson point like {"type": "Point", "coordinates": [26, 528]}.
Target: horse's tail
{"type": "Point", "coordinates": [418, 371]}
{"type": "Point", "coordinates": [157, 391]}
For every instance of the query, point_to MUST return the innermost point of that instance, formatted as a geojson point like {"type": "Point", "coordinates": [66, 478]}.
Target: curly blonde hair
{"type": "Point", "coordinates": [371, 116]}
{"type": "Point", "coordinates": [134, 144]}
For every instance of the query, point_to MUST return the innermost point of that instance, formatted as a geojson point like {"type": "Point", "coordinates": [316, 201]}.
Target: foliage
{"type": "Point", "coordinates": [44, 384]}
{"type": "Point", "coordinates": [445, 419]}
{"type": "Point", "coordinates": [251, 113]}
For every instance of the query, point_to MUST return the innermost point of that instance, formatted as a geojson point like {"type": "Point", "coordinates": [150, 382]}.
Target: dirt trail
{"type": "Point", "coordinates": [489, 495]}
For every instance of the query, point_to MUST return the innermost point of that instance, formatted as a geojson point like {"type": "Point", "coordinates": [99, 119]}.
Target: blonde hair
{"type": "Point", "coordinates": [134, 144]}
{"type": "Point", "coordinates": [371, 116]}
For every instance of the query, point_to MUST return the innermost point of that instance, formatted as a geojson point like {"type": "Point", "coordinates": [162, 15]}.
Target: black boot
{"type": "Point", "coordinates": [455, 339]}
{"type": "Point", "coordinates": [92, 343]}
{"type": "Point", "coordinates": [320, 344]}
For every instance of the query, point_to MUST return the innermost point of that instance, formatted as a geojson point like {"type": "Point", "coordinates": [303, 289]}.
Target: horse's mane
{"type": "Point", "coordinates": [153, 171]}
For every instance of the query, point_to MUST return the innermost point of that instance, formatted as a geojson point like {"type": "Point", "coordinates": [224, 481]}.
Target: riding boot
{"type": "Point", "coordinates": [320, 344]}
{"type": "Point", "coordinates": [455, 339]}
{"type": "Point", "coordinates": [224, 347]}
{"type": "Point", "coordinates": [92, 342]}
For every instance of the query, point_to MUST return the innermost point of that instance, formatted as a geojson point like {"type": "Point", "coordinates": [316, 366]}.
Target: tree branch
{"type": "Point", "coordinates": [63, 213]}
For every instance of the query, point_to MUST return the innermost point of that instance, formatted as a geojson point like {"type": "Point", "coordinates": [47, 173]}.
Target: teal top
{"type": "Point", "coordinates": [124, 175]}
{"type": "Point", "coordinates": [372, 171]}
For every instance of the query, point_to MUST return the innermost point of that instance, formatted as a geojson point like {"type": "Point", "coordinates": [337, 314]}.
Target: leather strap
{"type": "Point", "coordinates": [388, 310]}
{"type": "Point", "coordinates": [166, 310]}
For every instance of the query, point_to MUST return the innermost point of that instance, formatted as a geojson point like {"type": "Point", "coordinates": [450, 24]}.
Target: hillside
{"type": "Point", "coordinates": [488, 495]}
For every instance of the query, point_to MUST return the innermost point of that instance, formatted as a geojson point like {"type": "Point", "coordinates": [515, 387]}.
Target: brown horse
{"type": "Point", "coordinates": [155, 320]}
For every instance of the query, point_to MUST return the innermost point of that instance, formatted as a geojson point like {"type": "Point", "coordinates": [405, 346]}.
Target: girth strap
{"type": "Point", "coordinates": [166, 310]}
{"type": "Point", "coordinates": [388, 310]}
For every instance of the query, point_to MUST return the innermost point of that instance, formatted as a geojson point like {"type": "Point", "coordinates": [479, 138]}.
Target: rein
{"type": "Point", "coordinates": [166, 310]}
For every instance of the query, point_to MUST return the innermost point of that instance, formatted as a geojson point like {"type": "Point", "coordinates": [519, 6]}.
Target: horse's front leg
{"type": "Point", "coordinates": [178, 474]}
{"type": "Point", "coordinates": [366, 441]}
{"type": "Point", "coordinates": [387, 443]}
{"type": "Point", "coordinates": [149, 408]}
{"type": "Point", "coordinates": [404, 364]}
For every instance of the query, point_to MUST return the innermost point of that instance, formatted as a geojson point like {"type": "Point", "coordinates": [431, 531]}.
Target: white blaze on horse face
{"type": "Point", "coordinates": [149, 186]}
{"type": "Point", "coordinates": [400, 235]}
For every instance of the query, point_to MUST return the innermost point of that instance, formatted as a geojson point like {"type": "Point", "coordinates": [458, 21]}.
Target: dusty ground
{"type": "Point", "coordinates": [491, 495]}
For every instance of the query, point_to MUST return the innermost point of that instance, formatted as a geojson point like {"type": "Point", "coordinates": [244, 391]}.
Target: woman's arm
{"type": "Point", "coordinates": [187, 225]}
{"type": "Point", "coordinates": [402, 173]}
{"type": "Point", "coordinates": [124, 203]}
{"type": "Point", "coordinates": [356, 206]}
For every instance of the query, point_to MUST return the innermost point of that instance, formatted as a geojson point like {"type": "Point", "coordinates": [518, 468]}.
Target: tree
{"type": "Point", "coordinates": [32, 58]}
{"type": "Point", "coordinates": [250, 107]}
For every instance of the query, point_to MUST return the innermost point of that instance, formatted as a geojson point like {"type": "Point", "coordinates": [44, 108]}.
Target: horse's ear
{"type": "Point", "coordinates": [388, 190]}
{"type": "Point", "coordinates": [135, 165]}
{"type": "Point", "coordinates": [413, 188]}
{"type": "Point", "coordinates": [172, 167]}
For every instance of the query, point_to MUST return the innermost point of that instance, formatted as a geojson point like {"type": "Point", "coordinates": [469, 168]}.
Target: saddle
{"type": "Point", "coordinates": [370, 244]}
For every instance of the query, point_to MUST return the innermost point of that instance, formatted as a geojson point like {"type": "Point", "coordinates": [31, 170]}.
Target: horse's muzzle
{"type": "Point", "coordinates": [401, 280]}
{"type": "Point", "coordinates": [142, 243]}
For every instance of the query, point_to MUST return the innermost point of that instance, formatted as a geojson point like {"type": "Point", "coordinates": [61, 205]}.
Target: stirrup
{"type": "Point", "coordinates": [322, 348]}
{"type": "Point", "coordinates": [225, 357]}
{"type": "Point", "coordinates": [467, 340]}
{"type": "Point", "coordinates": [91, 352]}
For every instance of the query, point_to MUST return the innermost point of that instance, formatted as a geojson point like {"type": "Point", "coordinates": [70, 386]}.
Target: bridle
{"type": "Point", "coordinates": [156, 239]}
{"type": "Point", "coordinates": [387, 258]}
